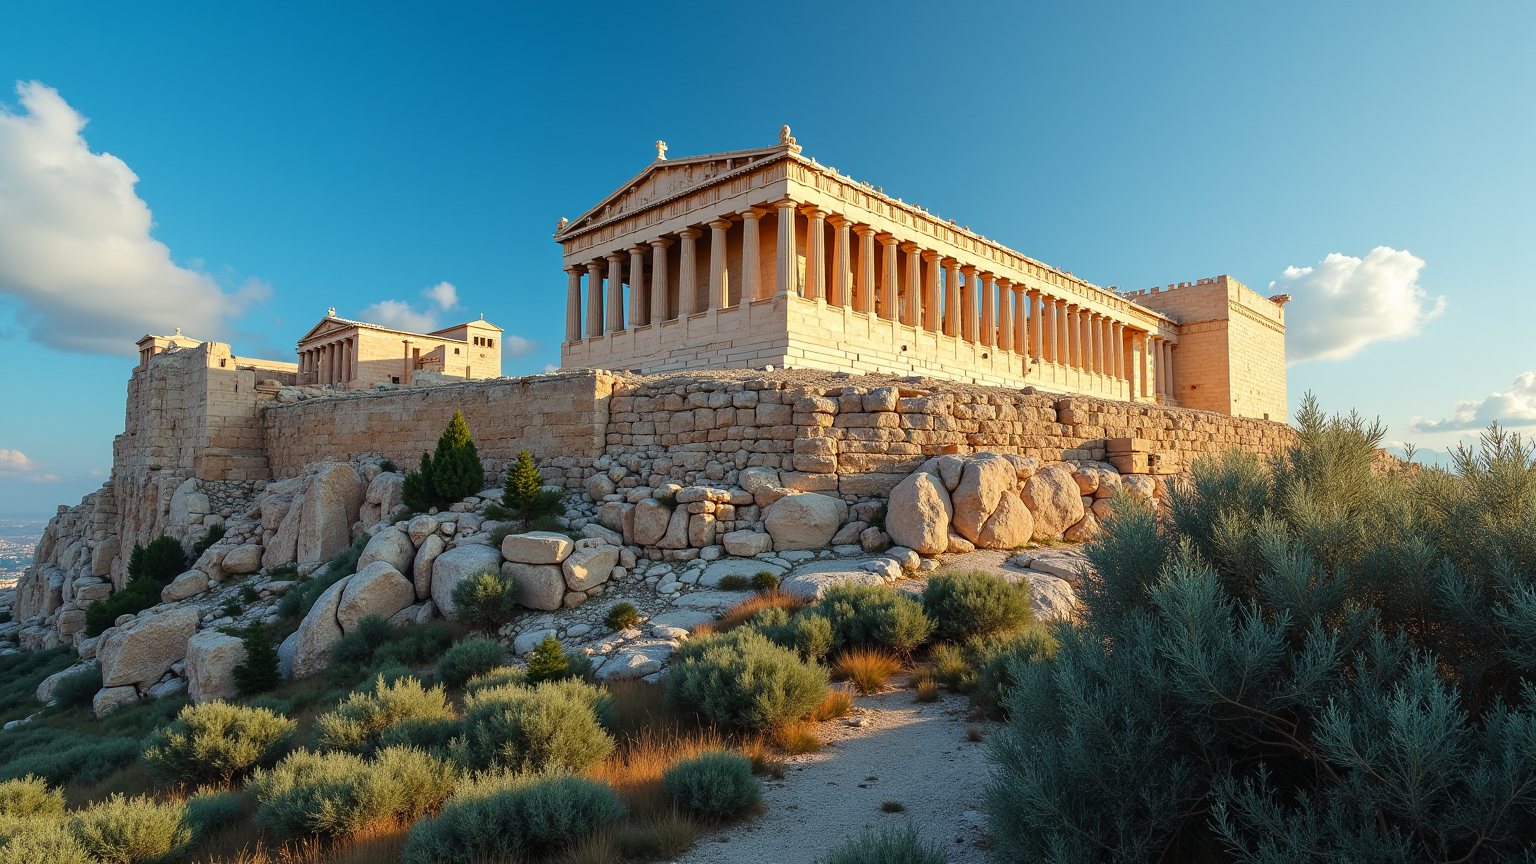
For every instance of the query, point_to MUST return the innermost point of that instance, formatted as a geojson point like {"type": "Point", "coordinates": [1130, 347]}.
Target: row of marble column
{"type": "Point", "coordinates": [943, 295]}
{"type": "Point", "coordinates": [332, 363]}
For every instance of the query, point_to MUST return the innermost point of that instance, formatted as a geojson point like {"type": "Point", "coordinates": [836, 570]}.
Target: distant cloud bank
{"type": "Point", "coordinates": [75, 244]}
{"type": "Point", "coordinates": [1517, 407]}
{"type": "Point", "coordinates": [14, 463]}
{"type": "Point", "coordinates": [1342, 304]}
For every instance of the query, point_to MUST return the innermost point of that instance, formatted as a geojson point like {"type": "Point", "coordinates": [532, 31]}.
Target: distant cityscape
{"type": "Point", "coordinates": [18, 537]}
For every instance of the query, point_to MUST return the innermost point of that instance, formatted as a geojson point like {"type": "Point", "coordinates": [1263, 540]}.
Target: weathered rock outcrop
{"type": "Point", "coordinates": [805, 521]}
{"type": "Point", "coordinates": [377, 589]}
{"type": "Point", "coordinates": [211, 660]}
{"type": "Point", "coordinates": [919, 514]}
{"type": "Point", "coordinates": [144, 649]}
{"type": "Point", "coordinates": [456, 565]}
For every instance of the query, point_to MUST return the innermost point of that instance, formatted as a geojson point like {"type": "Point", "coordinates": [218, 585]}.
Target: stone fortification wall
{"type": "Point", "coordinates": [562, 415]}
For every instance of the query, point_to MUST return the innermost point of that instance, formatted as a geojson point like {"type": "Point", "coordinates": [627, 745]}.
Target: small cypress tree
{"type": "Point", "coordinates": [524, 493]}
{"type": "Point", "coordinates": [416, 491]}
{"type": "Point", "coordinates": [548, 662]}
{"type": "Point", "coordinates": [455, 468]}
{"type": "Point", "coordinates": [258, 673]}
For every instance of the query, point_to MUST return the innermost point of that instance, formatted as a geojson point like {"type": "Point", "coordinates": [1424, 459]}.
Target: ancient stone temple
{"type": "Point", "coordinates": [765, 257]}
{"type": "Point", "coordinates": [346, 354]}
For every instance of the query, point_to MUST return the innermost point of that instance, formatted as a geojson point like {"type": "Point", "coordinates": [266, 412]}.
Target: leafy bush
{"type": "Point", "coordinates": [388, 466]}
{"type": "Point", "coordinates": [336, 794]}
{"type": "Point", "coordinates": [621, 616]}
{"type": "Point", "coordinates": [214, 534]}
{"type": "Point", "coordinates": [150, 568]}
{"type": "Point", "coordinates": [375, 646]}
{"type": "Point", "coordinates": [554, 726]}
{"type": "Point", "coordinates": [211, 812]}
{"type": "Point", "coordinates": [30, 841]}
{"type": "Point", "coordinates": [485, 600]}
{"type": "Point", "coordinates": [30, 796]}
{"type": "Point", "coordinates": [162, 560]}
{"type": "Point", "coordinates": [1310, 659]}
{"type": "Point", "coordinates": [258, 673]}
{"type": "Point", "coordinates": [216, 742]}
{"type": "Point", "coordinates": [59, 756]}
{"type": "Point", "coordinates": [468, 659]}
{"type": "Point", "coordinates": [996, 659]}
{"type": "Point", "coordinates": [524, 495]}
{"type": "Point", "coordinates": [357, 724]}
{"type": "Point", "coordinates": [548, 662]}
{"type": "Point", "coordinates": [765, 580]}
{"type": "Point", "coordinates": [963, 605]}
{"type": "Point", "coordinates": [79, 689]}
{"type": "Point", "coordinates": [888, 845]}
{"type": "Point", "coordinates": [741, 679]}
{"type": "Point", "coordinates": [496, 678]}
{"type": "Point", "coordinates": [450, 475]}
{"type": "Point", "coordinates": [123, 830]}
{"type": "Point", "coordinates": [21, 672]}
{"type": "Point", "coordinates": [872, 616]}
{"type": "Point", "coordinates": [714, 785]}
{"type": "Point", "coordinates": [502, 816]}
{"type": "Point", "coordinates": [733, 583]}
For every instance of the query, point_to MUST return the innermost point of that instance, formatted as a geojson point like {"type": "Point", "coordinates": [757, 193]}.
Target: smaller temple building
{"type": "Point", "coordinates": [346, 354]}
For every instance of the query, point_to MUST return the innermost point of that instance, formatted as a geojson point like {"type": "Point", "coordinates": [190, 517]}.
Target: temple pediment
{"type": "Point", "coordinates": [326, 327]}
{"type": "Point", "coordinates": [665, 179]}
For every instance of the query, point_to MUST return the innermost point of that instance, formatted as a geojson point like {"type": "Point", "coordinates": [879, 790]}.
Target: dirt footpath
{"type": "Point", "coordinates": [912, 753]}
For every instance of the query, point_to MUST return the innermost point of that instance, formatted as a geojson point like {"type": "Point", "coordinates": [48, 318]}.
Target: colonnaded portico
{"type": "Point", "coordinates": [803, 267]}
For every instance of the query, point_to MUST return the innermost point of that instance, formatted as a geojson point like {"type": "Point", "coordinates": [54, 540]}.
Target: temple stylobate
{"type": "Point", "coordinates": [765, 257]}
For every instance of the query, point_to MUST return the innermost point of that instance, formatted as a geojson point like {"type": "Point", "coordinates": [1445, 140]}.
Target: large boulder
{"type": "Point", "coordinates": [310, 649]}
{"type": "Point", "coordinates": [109, 699]}
{"type": "Point", "coordinates": [1054, 500]}
{"type": "Point", "coordinates": [243, 559]}
{"type": "Point", "coordinates": [384, 492]}
{"type": "Point", "coordinates": [421, 568]}
{"type": "Point", "coordinates": [651, 520]}
{"type": "Point", "coordinates": [982, 484]}
{"type": "Point", "coordinates": [676, 536]}
{"type": "Point", "coordinates": [805, 521]}
{"type": "Point", "coordinates": [537, 547]}
{"type": "Point", "coordinates": [590, 567]}
{"type": "Point", "coordinates": [283, 547]}
{"type": "Point", "coordinates": [188, 584]}
{"type": "Point", "coordinates": [919, 514]}
{"type": "Point", "coordinates": [378, 589]}
{"type": "Point", "coordinates": [45, 690]}
{"type": "Point", "coordinates": [1009, 526]}
{"type": "Point", "coordinates": [211, 660]}
{"type": "Point", "coordinates": [142, 650]}
{"type": "Point", "coordinates": [746, 544]}
{"type": "Point", "coordinates": [330, 507]}
{"type": "Point", "coordinates": [539, 586]}
{"type": "Point", "coordinates": [421, 527]}
{"type": "Point", "coordinates": [456, 565]}
{"type": "Point", "coordinates": [1051, 598]}
{"type": "Point", "coordinates": [391, 546]}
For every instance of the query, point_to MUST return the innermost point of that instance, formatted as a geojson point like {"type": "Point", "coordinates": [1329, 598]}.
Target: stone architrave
{"type": "Point", "coordinates": [330, 507]}
{"type": "Point", "coordinates": [804, 521]}
{"type": "Point", "coordinates": [145, 648]}
{"type": "Point", "coordinates": [456, 565]}
{"type": "Point", "coordinates": [1053, 499]}
{"type": "Point", "coordinates": [421, 568]}
{"type": "Point", "coordinates": [392, 546]}
{"type": "Point", "coordinates": [986, 477]}
{"type": "Point", "coordinates": [919, 514]}
{"type": "Point", "coordinates": [211, 660]}
{"type": "Point", "coordinates": [378, 589]}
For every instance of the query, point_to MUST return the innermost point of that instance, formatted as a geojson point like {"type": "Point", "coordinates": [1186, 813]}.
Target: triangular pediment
{"type": "Point", "coordinates": [666, 179]}
{"type": "Point", "coordinates": [326, 325]}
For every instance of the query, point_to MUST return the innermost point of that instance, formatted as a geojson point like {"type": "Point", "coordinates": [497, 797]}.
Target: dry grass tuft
{"type": "Point", "coordinates": [660, 837]}
{"type": "Point", "coordinates": [796, 738]}
{"type": "Point", "coordinates": [866, 668]}
{"type": "Point", "coordinates": [973, 733]}
{"type": "Point", "coordinates": [928, 691]}
{"type": "Point", "coordinates": [742, 612]}
{"type": "Point", "coordinates": [837, 704]}
{"type": "Point", "coordinates": [764, 756]}
{"type": "Point", "coordinates": [244, 844]}
{"type": "Point", "coordinates": [634, 768]}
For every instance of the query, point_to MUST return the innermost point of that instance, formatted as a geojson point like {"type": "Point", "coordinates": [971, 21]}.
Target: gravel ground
{"type": "Point", "coordinates": [909, 752]}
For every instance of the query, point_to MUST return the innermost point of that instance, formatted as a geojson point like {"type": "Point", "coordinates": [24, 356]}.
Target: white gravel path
{"type": "Point", "coordinates": [910, 752]}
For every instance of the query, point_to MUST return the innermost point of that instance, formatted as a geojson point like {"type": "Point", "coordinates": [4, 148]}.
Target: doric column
{"type": "Point", "coordinates": [889, 274]}
{"type": "Point", "coordinates": [838, 293]}
{"type": "Point", "coordinates": [1108, 326]}
{"type": "Point", "coordinates": [639, 309]}
{"type": "Point", "coordinates": [1095, 342]}
{"type": "Point", "coordinates": [330, 363]}
{"type": "Point", "coordinates": [615, 292]}
{"type": "Point", "coordinates": [572, 303]}
{"type": "Point", "coordinates": [594, 299]}
{"type": "Point", "coordinates": [719, 294]}
{"type": "Point", "coordinates": [1005, 314]}
{"type": "Point", "coordinates": [912, 309]}
{"type": "Point", "coordinates": [1141, 364]}
{"type": "Point", "coordinates": [1047, 328]}
{"type": "Point", "coordinates": [864, 283]}
{"type": "Point", "coordinates": [1085, 321]}
{"type": "Point", "coordinates": [1074, 337]}
{"type": "Point", "coordinates": [815, 253]}
{"type": "Point", "coordinates": [660, 280]}
{"type": "Point", "coordinates": [1063, 343]}
{"type": "Point", "coordinates": [968, 322]}
{"type": "Point", "coordinates": [931, 306]}
{"type": "Point", "coordinates": [951, 297]}
{"type": "Point", "coordinates": [1117, 350]}
{"type": "Point", "coordinates": [687, 274]}
{"type": "Point", "coordinates": [988, 287]}
{"type": "Point", "coordinates": [751, 256]}
{"type": "Point", "coordinates": [789, 259]}
{"type": "Point", "coordinates": [1167, 364]}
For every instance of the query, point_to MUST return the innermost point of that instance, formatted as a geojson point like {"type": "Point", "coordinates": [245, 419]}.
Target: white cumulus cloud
{"type": "Point", "coordinates": [399, 315]}
{"type": "Point", "coordinates": [1517, 407]}
{"type": "Point", "coordinates": [443, 294]}
{"type": "Point", "coordinates": [14, 463]}
{"type": "Point", "coordinates": [517, 346]}
{"type": "Point", "coordinates": [1342, 304]}
{"type": "Point", "coordinates": [75, 244]}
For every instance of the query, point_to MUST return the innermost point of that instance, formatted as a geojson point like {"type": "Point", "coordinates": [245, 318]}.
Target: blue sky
{"type": "Point", "coordinates": [298, 156]}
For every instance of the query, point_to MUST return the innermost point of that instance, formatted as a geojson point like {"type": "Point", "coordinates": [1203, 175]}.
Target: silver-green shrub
{"type": "Point", "coordinates": [216, 742]}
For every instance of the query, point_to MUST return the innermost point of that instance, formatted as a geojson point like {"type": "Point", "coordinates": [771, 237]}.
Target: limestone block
{"type": "Point", "coordinates": [803, 482]}
{"type": "Point", "coordinates": [169, 687]}
{"type": "Point", "coordinates": [1010, 525]}
{"type": "Point", "coordinates": [746, 543]}
{"type": "Point", "coordinates": [651, 519]}
{"type": "Point", "coordinates": [109, 699]}
{"type": "Point", "coordinates": [308, 650]}
{"type": "Point", "coordinates": [1024, 466]}
{"type": "Point", "coordinates": [590, 567]}
{"type": "Point", "coordinates": [676, 536]}
{"type": "Point", "coordinates": [421, 567]}
{"type": "Point", "coordinates": [598, 486]}
{"type": "Point", "coordinates": [594, 531]}
{"type": "Point", "coordinates": [636, 660]}
{"type": "Point", "coordinates": [1053, 499]}
{"type": "Point", "coordinates": [867, 484]}
{"type": "Point", "coordinates": [330, 507]}
{"type": "Point", "coordinates": [881, 399]}
{"type": "Point", "coordinates": [959, 545]}
{"type": "Point", "coordinates": [611, 515]}
{"type": "Point", "coordinates": [1101, 509]}
{"type": "Point", "coordinates": [102, 555]}
{"type": "Point", "coordinates": [1083, 530]}
{"type": "Point", "coordinates": [701, 530]}
{"type": "Point", "coordinates": [421, 527]}
{"type": "Point", "coordinates": [537, 547]}
{"type": "Point", "coordinates": [70, 622]}
{"type": "Point", "coordinates": [456, 565]}
{"type": "Point", "coordinates": [805, 521]}
{"type": "Point", "coordinates": [1051, 598]}
{"type": "Point", "coordinates": [874, 540]}
{"type": "Point", "coordinates": [919, 514]}
{"type": "Point", "coordinates": [142, 650]}
{"type": "Point", "coordinates": [753, 479]}
{"type": "Point", "coordinates": [385, 490]}
{"type": "Point", "coordinates": [391, 546]}
{"type": "Point", "coordinates": [1139, 486]}
{"type": "Point", "coordinates": [849, 534]}
{"type": "Point", "coordinates": [986, 477]}
{"type": "Point", "coordinates": [377, 589]}
{"type": "Point", "coordinates": [950, 470]}
{"type": "Point", "coordinates": [539, 586]}
{"type": "Point", "coordinates": [283, 547]}
{"type": "Point", "coordinates": [1087, 480]}
{"type": "Point", "coordinates": [210, 671]}
{"type": "Point", "coordinates": [243, 559]}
